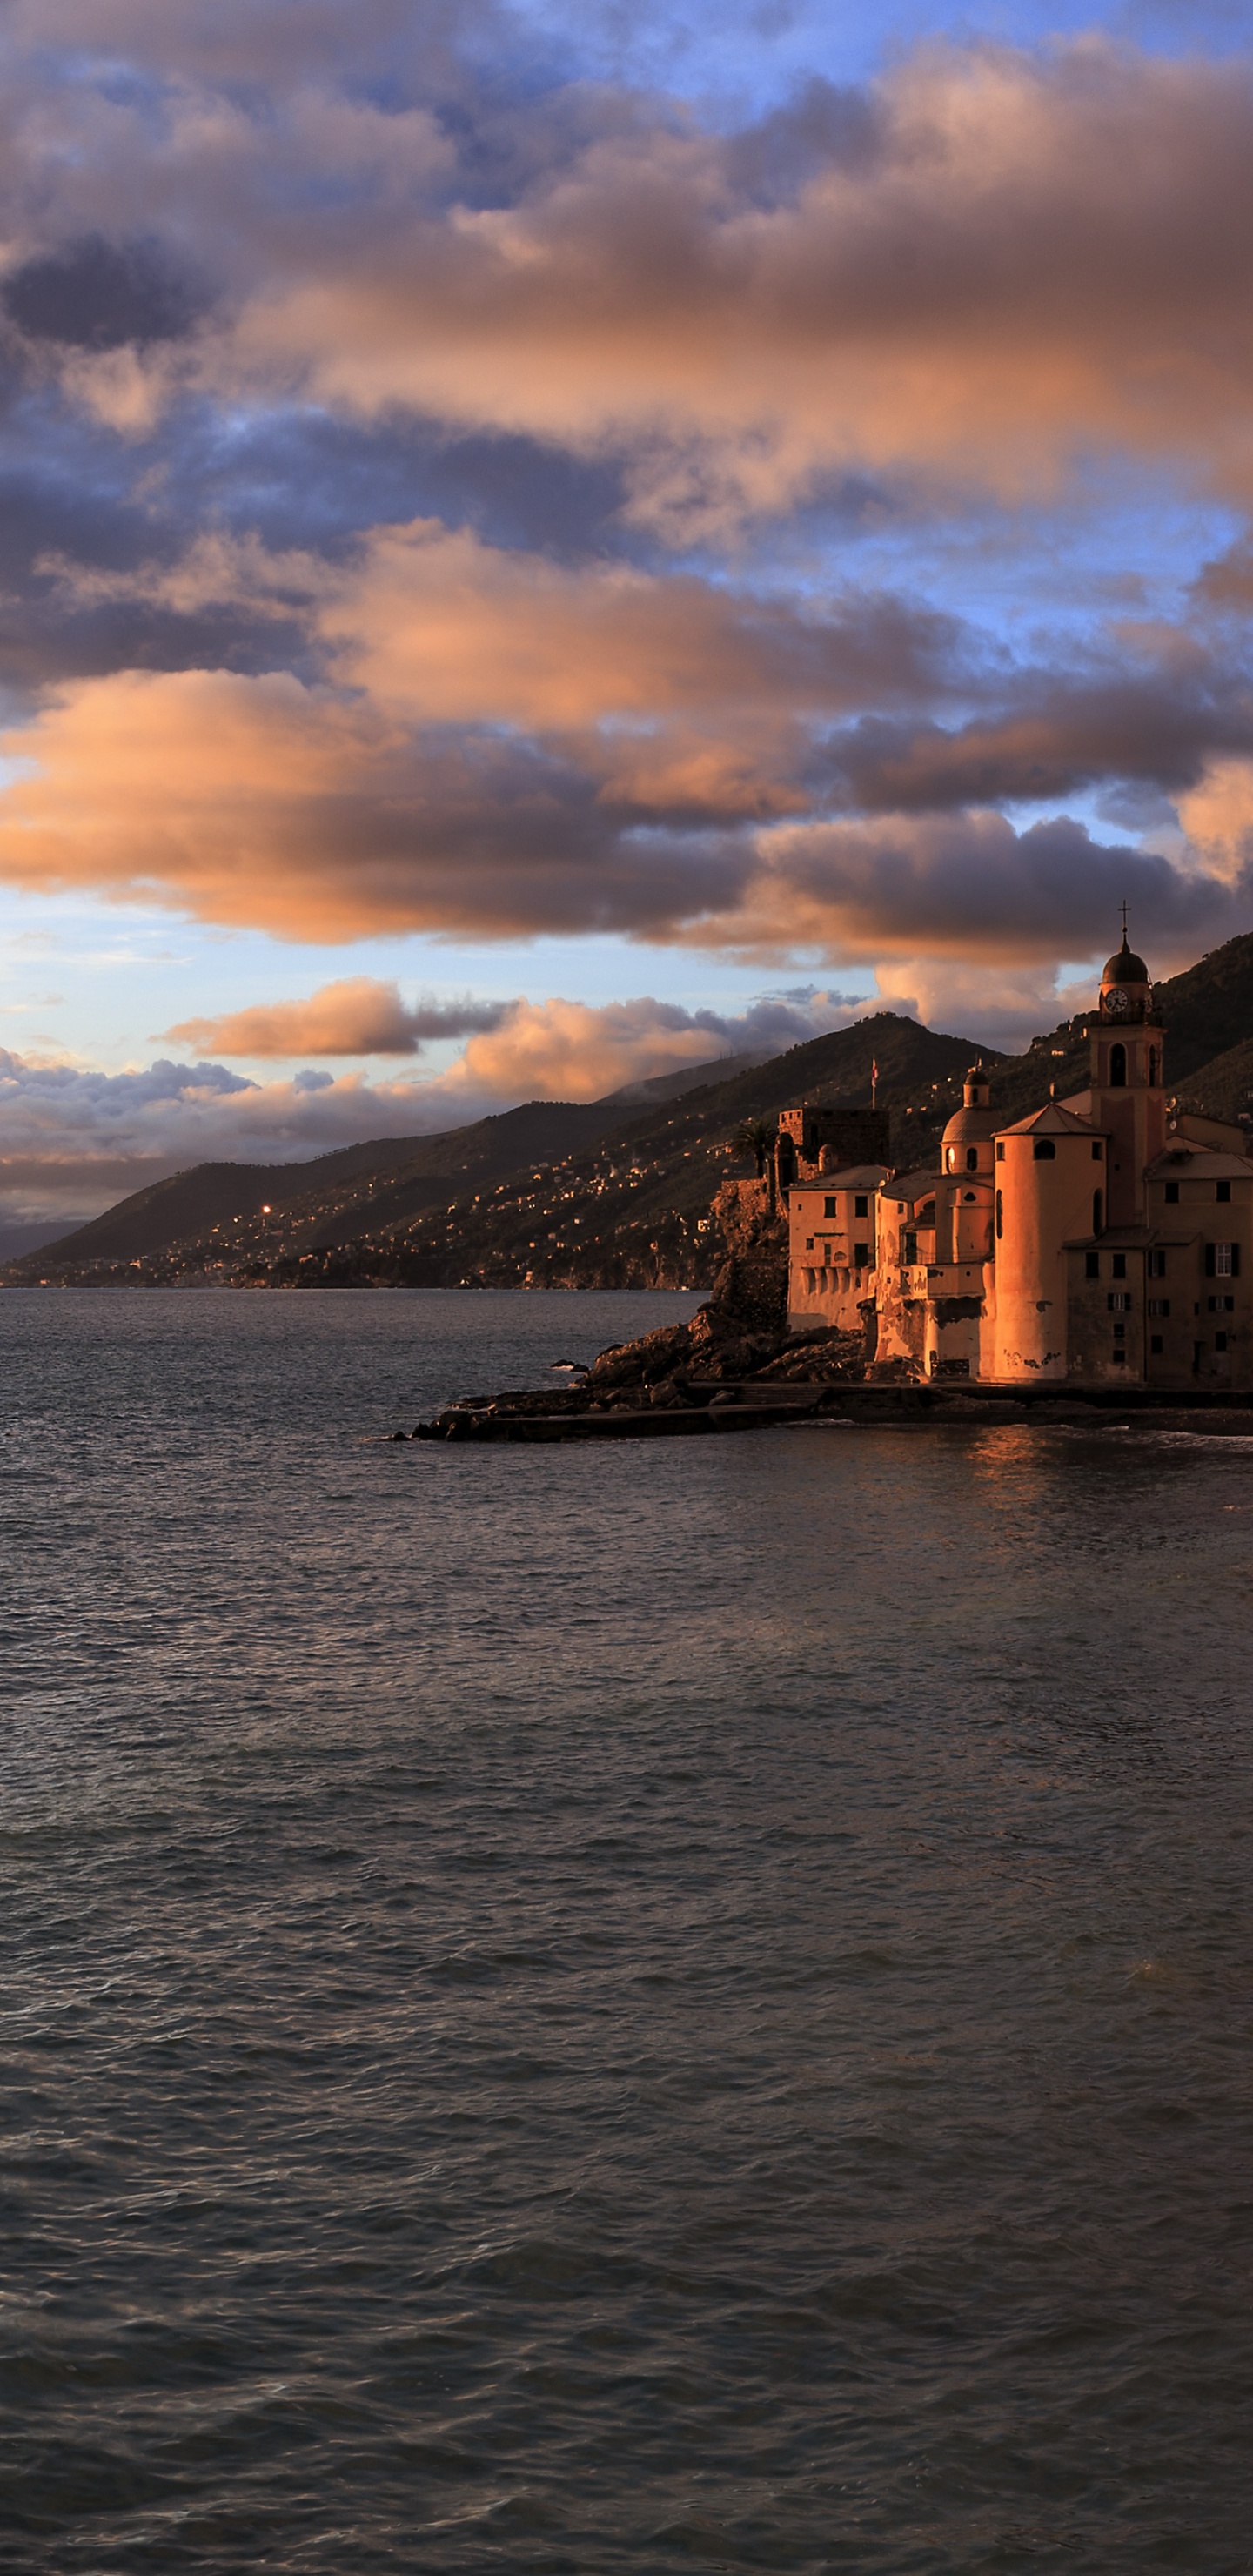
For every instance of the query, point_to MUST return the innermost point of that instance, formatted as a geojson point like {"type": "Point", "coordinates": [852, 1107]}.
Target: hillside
{"type": "Point", "coordinates": [383, 1180]}
{"type": "Point", "coordinates": [1208, 1009]}
{"type": "Point", "coordinates": [613, 1192]}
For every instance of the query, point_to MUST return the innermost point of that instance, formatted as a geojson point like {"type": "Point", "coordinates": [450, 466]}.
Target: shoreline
{"type": "Point", "coordinates": [722, 1406]}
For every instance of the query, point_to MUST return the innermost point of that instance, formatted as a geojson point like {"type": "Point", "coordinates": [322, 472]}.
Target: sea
{"type": "Point", "coordinates": [663, 2007]}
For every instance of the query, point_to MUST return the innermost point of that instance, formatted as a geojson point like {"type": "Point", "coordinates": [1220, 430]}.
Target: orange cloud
{"type": "Point", "coordinates": [266, 803]}
{"type": "Point", "coordinates": [356, 1016]}
{"type": "Point", "coordinates": [437, 626]}
{"type": "Point", "coordinates": [558, 1050]}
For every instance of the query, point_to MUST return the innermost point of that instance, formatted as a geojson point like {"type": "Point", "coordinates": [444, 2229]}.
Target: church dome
{"type": "Point", "coordinates": [1126, 967]}
{"type": "Point", "coordinates": [973, 1125]}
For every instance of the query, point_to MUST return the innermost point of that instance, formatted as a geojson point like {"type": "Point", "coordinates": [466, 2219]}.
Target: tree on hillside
{"type": "Point", "coordinates": [755, 1136]}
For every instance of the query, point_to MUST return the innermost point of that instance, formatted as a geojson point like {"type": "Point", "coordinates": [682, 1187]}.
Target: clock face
{"type": "Point", "coordinates": [1117, 1004]}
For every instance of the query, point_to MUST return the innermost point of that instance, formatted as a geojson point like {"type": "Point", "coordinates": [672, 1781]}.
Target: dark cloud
{"type": "Point", "coordinates": [97, 294]}
{"type": "Point", "coordinates": [968, 885]}
{"type": "Point", "coordinates": [1056, 740]}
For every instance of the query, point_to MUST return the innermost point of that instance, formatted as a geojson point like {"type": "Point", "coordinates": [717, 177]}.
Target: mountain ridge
{"type": "Point", "coordinates": [613, 1192]}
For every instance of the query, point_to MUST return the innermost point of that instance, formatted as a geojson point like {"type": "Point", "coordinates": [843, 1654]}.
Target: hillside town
{"type": "Point", "coordinates": [1101, 1238]}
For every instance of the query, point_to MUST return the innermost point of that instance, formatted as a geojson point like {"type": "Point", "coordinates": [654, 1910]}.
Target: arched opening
{"type": "Point", "coordinates": [1118, 1068]}
{"type": "Point", "coordinates": [952, 1158]}
{"type": "Point", "coordinates": [972, 1158]}
{"type": "Point", "coordinates": [969, 1199]}
{"type": "Point", "coordinates": [1000, 1216]}
{"type": "Point", "coordinates": [1045, 1150]}
{"type": "Point", "coordinates": [1098, 1206]}
{"type": "Point", "coordinates": [1154, 1068]}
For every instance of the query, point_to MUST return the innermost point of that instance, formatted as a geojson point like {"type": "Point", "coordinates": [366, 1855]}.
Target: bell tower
{"type": "Point", "coordinates": [1128, 1099]}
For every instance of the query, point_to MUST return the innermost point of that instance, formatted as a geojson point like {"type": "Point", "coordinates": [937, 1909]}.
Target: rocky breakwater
{"type": "Point", "coordinates": [730, 1367]}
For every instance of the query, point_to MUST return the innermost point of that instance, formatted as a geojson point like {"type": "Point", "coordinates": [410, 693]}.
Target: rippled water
{"type": "Point", "coordinates": [590, 2009]}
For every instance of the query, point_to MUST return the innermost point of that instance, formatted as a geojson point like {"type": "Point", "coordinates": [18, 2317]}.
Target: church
{"type": "Point", "coordinates": [1103, 1240]}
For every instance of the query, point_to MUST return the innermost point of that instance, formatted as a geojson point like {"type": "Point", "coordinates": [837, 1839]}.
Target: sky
{"type": "Point", "coordinates": [540, 545]}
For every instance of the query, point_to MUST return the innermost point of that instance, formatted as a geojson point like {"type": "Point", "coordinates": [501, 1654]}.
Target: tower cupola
{"type": "Point", "coordinates": [1126, 993]}
{"type": "Point", "coordinates": [966, 1145]}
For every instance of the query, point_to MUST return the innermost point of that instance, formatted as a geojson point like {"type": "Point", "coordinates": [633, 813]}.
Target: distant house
{"type": "Point", "coordinates": [1102, 1239]}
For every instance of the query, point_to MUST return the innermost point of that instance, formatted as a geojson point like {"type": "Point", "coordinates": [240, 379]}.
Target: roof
{"type": "Point", "coordinates": [1053, 1120]}
{"type": "Point", "coordinates": [1126, 1238]}
{"type": "Point", "coordinates": [1125, 967]}
{"type": "Point", "coordinates": [969, 1126]}
{"type": "Point", "coordinates": [911, 1186]}
{"type": "Point", "coordinates": [1201, 1162]}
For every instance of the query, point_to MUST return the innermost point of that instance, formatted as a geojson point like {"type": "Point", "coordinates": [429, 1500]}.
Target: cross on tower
{"type": "Point", "coordinates": [1124, 924]}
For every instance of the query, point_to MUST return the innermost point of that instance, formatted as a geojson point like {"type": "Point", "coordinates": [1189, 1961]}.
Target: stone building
{"type": "Point", "coordinates": [1104, 1239]}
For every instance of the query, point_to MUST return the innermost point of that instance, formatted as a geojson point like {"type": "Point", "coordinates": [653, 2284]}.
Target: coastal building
{"type": "Point", "coordinates": [1102, 1239]}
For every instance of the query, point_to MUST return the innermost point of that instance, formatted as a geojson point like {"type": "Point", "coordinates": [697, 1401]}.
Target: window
{"type": "Point", "coordinates": [1156, 1265]}
{"type": "Point", "coordinates": [1154, 1068]}
{"type": "Point", "coordinates": [828, 1207]}
{"type": "Point", "coordinates": [972, 1158]}
{"type": "Point", "coordinates": [1118, 1068]}
{"type": "Point", "coordinates": [1120, 1357]}
{"type": "Point", "coordinates": [861, 1256]}
{"type": "Point", "coordinates": [1222, 1192]}
{"type": "Point", "coordinates": [1221, 1305]}
{"type": "Point", "coordinates": [1222, 1260]}
{"type": "Point", "coordinates": [1118, 1302]}
{"type": "Point", "coordinates": [952, 1158]}
{"type": "Point", "coordinates": [1120, 1265]}
{"type": "Point", "coordinates": [1000, 1211]}
{"type": "Point", "coordinates": [861, 1205]}
{"type": "Point", "coordinates": [909, 1245]}
{"type": "Point", "coordinates": [969, 1199]}
{"type": "Point", "coordinates": [1172, 1193]}
{"type": "Point", "coordinates": [1098, 1210]}
{"type": "Point", "coordinates": [1120, 1332]}
{"type": "Point", "coordinates": [1156, 1345]}
{"type": "Point", "coordinates": [1159, 1305]}
{"type": "Point", "coordinates": [1000, 1153]}
{"type": "Point", "coordinates": [1096, 1153]}
{"type": "Point", "coordinates": [1220, 1341]}
{"type": "Point", "coordinates": [1045, 1150]}
{"type": "Point", "coordinates": [1092, 1265]}
{"type": "Point", "coordinates": [809, 1243]}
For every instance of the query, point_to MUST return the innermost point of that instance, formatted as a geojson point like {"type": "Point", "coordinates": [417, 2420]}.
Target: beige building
{"type": "Point", "coordinates": [1102, 1239]}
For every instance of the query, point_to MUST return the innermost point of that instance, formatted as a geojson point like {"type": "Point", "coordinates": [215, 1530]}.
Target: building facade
{"type": "Point", "coordinates": [1102, 1239]}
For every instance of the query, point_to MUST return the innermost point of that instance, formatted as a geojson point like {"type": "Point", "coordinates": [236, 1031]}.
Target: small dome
{"type": "Point", "coordinates": [969, 1127]}
{"type": "Point", "coordinates": [1126, 967]}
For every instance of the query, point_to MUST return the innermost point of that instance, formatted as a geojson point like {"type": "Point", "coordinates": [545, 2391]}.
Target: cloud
{"type": "Point", "coordinates": [356, 1016]}
{"type": "Point", "coordinates": [984, 268]}
{"type": "Point", "coordinates": [436, 626]}
{"type": "Point", "coordinates": [560, 1050]}
{"type": "Point", "coordinates": [1057, 737]}
{"type": "Point", "coordinates": [73, 1140]}
{"type": "Point", "coordinates": [264, 803]}
{"type": "Point", "coordinates": [96, 294]}
{"type": "Point", "coordinates": [1217, 816]}
{"type": "Point", "coordinates": [277, 287]}
{"type": "Point", "coordinates": [966, 887]}
{"type": "Point", "coordinates": [267, 803]}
